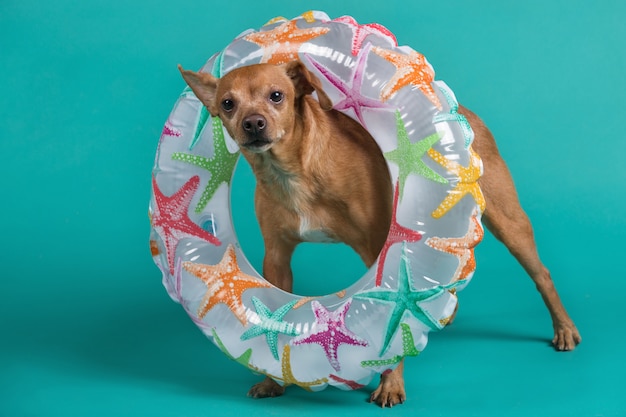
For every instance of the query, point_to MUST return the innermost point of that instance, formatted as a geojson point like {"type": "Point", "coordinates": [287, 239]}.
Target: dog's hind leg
{"type": "Point", "coordinates": [505, 218]}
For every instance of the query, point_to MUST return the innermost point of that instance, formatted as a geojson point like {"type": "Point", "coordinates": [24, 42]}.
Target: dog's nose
{"type": "Point", "coordinates": [254, 123]}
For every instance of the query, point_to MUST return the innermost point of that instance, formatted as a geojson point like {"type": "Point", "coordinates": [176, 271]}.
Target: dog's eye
{"type": "Point", "coordinates": [228, 105]}
{"type": "Point", "coordinates": [276, 96]}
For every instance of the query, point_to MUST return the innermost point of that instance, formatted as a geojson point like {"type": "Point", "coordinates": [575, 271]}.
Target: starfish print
{"type": "Point", "coordinates": [271, 323]}
{"type": "Point", "coordinates": [203, 118]}
{"type": "Point", "coordinates": [243, 359]}
{"type": "Point", "coordinates": [468, 182]}
{"type": "Point", "coordinates": [203, 113]}
{"type": "Point", "coordinates": [175, 291]}
{"type": "Point", "coordinates": [360, 32]}
{"type": "Point", "coordinates": [461, 247]}
{"type": "Point", "coordinates": [288, 378]}
{"type": "Point", "coordinates": [397, 234]}
{"type": "Point", "coordinates": [309, 16]}
{"type": "Point", "coordinates": [305, 300]}
{"type": "Point", "coordinates": [281, 45]}
{"type": "Point", "coordinates": [406, 299]}
{"type": "Point", "coordinates": [408, 349]}
{"type": "Point", "coordinates": [348, 383]}
{"type": "Point", "coordinates": [154, 247]}
{"type": "Point", "coordinates": [168, 130]}
{"type": "Point", "coordinates": [171, 221]}
{"type": "Point", "coordinates": [352, 89]}
{"type": "Point", "coordinates": [453, 115]}
{"type": "Point", "coordinates": [408, 156]}
{"type": "Point", "coordinates": [275, 20]}
{"type": "Point", "coordinates": [221, 165]}
{"type": "Point", "coordinates": [411, 69]}
{"type": "Point", "coordinates": [225, 284]}
{"type": "Point", "coordinates": [330, 331]}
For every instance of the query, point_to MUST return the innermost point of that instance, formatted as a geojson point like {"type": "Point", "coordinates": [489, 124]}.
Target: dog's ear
{"type": "Point", "coordinates": [306, 82]}
{"type": "Point", "coordinates": [203, 85]}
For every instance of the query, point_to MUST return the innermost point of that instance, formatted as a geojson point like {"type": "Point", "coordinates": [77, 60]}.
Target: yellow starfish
{"type": "Point", "coordinates": [287, 378]}
{"type": "Point", "coordinates": [226, 284]}
{"type": "Point", "coordinates": [309, 17]}
{"type": "Point", "coordinates": [461, 247]}
{"type": "Point", "coordinates": [468, 181]}
{"type": "Point", "coordinates": [281, 45]}
{"type": "Point", "coordinates": [411, 69]}
{"type": "Point", "coordinates": [275, 20]}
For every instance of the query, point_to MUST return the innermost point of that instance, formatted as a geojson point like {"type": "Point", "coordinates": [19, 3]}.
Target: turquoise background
{"type": "Point", "coordinates": [88, 330]}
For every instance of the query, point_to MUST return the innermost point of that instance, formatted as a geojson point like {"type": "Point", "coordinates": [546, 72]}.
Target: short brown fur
{"type": "Point", "coordinates": [314, 168]}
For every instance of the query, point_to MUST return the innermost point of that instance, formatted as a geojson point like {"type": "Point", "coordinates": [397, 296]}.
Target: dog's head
{"type": "Point", "coordinates": [258, 104]}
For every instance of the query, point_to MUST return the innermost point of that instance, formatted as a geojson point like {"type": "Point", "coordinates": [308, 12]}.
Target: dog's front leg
{"type": "Point", "coordinates": [277, 262]}
{"type": "Point", "coordinates": [276, 270]}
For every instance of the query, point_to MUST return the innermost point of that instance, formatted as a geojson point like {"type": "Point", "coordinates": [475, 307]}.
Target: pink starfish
{"type": "Point", "coordinates": [331, 332]}
{"type": "Point", "coordinates": [360, 32]}
{"type": "Point", "coordinates": [352, 88]}
{"type": "Point", "coordinates": [171, 221]}
{"type": "Point", "coordinates": [169, 130]}
{"type": "Point", "coordinates": [397, 234]}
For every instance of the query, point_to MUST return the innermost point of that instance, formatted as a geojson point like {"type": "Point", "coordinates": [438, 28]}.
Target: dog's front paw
{"type": "Point", "coordinates": [265, 389]}
{"type": "Point", "coordinates": [390, 391]}
{"type": "Point", "coordinates": [566, 337]}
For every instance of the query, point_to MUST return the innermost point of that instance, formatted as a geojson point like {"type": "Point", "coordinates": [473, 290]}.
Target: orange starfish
{"type": "Point", "coordinates": [411, 69]}
{"type": "Point", "coordinates": [461, 247]}
{"type": "Point", "coordinates": [226, 284]}
{"type": "Point", "coordinates": [154, 248]}
{"type": "Point", "coordinates": [282, 44]}
{"type": "Point", "coordinates": [468, 181]}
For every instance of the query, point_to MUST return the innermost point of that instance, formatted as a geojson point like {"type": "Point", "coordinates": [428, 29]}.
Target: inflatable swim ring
{"type": "Point", "coordinates": [342, 339]}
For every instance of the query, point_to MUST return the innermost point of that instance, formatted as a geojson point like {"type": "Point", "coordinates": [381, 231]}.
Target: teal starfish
{"type": "Point", "coordinates": [453, 115]}
{"type": "Point", "coordinates": [203, 115]}
{"type": "Point", "coordinates": [406, 299]}
{"type": "Point", "coordinates": [271, 325]}
{"type": "Point", "coordinates": [221, 164]}
{"type": "Point", "coordinates": [408, 156]}
{"type": "Point", "coordinates": [244, 359]}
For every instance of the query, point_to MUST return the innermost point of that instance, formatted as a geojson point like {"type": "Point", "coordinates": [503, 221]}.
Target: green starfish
{"type": "Point", "coordinates": [271, 324]}
{"type": "Point", "coordinates": [221, 165]}
{"type": "Point", "coordinates": [408, 156]}
{"type": "Point", "coordinates": [408, 349]}
{"type": "Point", "coordinates": [406, 299]}
{"type": "Point", "coordinates": [244, 359]}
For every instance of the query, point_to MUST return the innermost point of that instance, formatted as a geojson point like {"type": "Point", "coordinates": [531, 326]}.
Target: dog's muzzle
{"type": "Point", "coordinates": [255, 128]}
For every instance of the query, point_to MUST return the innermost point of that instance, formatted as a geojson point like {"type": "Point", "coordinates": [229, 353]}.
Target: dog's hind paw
{"type": "Point", "coordinates": [566, 337]}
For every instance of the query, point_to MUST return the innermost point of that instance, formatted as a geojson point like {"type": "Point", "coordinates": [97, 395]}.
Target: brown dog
{"type": "Point", "coordinates": [314, 165]}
